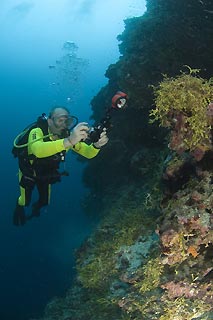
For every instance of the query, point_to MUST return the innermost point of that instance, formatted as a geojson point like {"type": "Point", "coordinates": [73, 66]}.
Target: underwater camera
{"type": "Point", "coordinates": [119, 101]}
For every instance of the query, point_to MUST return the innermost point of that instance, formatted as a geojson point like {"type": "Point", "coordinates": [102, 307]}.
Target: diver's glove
{"type": "Point", "coordinates": [19, 217]}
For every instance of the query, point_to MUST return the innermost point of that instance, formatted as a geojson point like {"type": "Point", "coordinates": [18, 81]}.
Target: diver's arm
{"type": "Point", "coordinates": [90, 151]}
{"type": "Point", "coordinates": [40, 148]}
{"type": "Point", "coordinates": [85, 150]}
{"type": "Point", "coordinates": [76, 139]}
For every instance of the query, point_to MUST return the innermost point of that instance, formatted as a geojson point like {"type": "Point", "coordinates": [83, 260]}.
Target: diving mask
{"type": "Point", "coordinates": [65, 121]}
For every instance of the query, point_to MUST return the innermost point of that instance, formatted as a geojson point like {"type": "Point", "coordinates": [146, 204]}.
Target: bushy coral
{"type": "Point", "coordinates": [185, 309]}
{"type": "Point", "coordinates": [106, 247]}
{"type": "Point", "coordinates": [182, 104]}
{"type": "Point", "coordinates": [151, 273]}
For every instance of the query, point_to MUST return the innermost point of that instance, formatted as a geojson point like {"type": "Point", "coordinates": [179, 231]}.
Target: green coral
{"type": "Point", "coordinates": [151, 271]}
{"type": "Point", "coordinates": [182, 308]}
{"type": "Point", "coordinates": [96, 272]}
{"type": "Point", "coordinates": [188, 95]}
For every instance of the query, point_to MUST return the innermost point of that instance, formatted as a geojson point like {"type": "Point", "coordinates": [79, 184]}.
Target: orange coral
{"type": "Point", "coordinates": [191, 250]}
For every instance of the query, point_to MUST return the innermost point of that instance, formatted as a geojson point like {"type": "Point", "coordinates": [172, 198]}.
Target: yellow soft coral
{"type": "Point", "coordinates": [181, 104]}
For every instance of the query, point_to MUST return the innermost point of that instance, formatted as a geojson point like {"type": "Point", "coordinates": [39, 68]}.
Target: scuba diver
{"type": "Point", "coordinates": [40, 150]}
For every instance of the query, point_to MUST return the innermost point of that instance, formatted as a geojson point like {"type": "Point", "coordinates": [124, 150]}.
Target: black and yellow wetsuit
{"type": "Point", "coordinates": [45, 157]}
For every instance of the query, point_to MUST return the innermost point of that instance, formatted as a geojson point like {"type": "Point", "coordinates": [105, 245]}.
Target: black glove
{"type": "Point", "coordinates": [19, 217]}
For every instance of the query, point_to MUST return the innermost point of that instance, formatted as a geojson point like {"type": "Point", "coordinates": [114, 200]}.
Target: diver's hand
{"type": "Point", "coordinates": [102, 140]}
{"type": "Point", "coordinates": [79, 133]}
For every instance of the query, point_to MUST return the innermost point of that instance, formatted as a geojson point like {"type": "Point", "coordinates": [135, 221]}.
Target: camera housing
{"type": "Point", "coordinates": [119, 101]}
{"type": "Point", "coordinates": [95, 132]}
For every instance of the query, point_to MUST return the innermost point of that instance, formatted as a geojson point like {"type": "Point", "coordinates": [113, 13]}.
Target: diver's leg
{"type": "Point", "coordinates": [44, 190]}
{"type": "Point", "coordinates": [24, 199]}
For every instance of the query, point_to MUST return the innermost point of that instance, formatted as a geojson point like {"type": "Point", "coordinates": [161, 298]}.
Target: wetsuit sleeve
{"type": "Point", "coordinates": [40, 148]}
{"type": "Point", "coordinates": [85, 150]}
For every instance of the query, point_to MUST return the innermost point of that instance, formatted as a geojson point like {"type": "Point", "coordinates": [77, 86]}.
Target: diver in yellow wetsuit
{"type": "Point", "coordinates": [47, 147]}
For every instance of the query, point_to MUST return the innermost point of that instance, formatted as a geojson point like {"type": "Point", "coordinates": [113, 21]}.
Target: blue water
{"type": "Point", "coordinates": [37, 260]}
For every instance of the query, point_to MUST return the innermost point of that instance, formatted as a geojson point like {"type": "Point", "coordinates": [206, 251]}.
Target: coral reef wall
{"type": "Point", "coordinates": [152, 186]}
{"type": "Point", "coordinates": [169, 36]}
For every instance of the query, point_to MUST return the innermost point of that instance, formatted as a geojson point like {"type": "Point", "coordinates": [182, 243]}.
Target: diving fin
{"type": "Point", "coordinates": [19, 217]}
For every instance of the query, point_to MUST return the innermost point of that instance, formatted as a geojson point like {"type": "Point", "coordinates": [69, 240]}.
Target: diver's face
{"type": "Point", "coordinates": [59, 121]}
